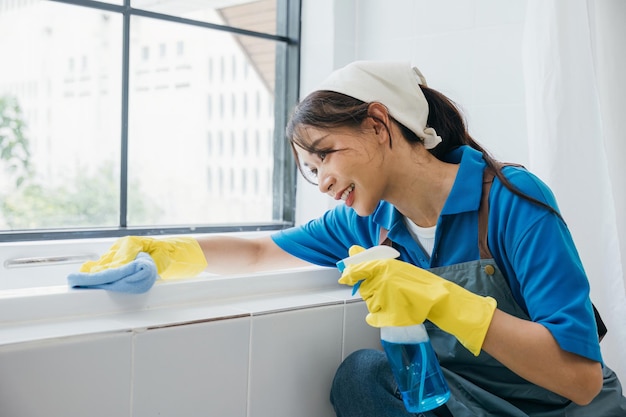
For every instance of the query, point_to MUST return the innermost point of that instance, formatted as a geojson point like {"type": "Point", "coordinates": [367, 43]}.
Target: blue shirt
{"type": "Point", "coordinates": [532, 246]}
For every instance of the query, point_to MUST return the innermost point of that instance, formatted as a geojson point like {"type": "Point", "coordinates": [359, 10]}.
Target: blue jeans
{"type": "Point", "coordinates": [364, 387]}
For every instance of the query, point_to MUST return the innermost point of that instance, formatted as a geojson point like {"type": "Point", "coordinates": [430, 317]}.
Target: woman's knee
{"type": "Point", "coordinates": [364, 385]}
{"type": "Point", "coordinates": [362, 362]}
{"type": "Point", "coordinates": [359, 373]}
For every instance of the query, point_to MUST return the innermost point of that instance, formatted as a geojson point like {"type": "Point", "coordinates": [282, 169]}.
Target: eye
{"type": "Point", "coordinates": [309, 173]}
{"type": "Point", "coordinates": [310, 170]}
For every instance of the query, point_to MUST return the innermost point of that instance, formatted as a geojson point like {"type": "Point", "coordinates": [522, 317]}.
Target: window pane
{"type": "Point", "coordinates": [255, 15]}
{"type": "Point", "coordinates": [60, 106]}
{"type": "Point", "coordinates": [197, 98]}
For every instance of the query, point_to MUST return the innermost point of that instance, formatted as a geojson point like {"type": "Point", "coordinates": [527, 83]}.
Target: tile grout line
{"type": "Point", "coordinates": [249, 373]}
{"type": "Point", "coordinates": [343, 332]}
{"type": "Point", "coordinates": [132, 373]}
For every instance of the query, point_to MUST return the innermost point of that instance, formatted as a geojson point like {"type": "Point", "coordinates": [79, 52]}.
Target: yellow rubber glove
{"type": "Point", "coordinates": [178, 257]}
{"type": "Point", "coordinates": [400, 294]}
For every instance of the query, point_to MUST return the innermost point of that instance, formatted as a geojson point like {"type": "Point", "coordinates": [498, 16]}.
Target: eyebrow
{"type": "Point", "coordinates": [316, 142]}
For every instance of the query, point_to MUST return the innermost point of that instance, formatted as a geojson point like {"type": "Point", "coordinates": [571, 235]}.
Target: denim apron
{"type": "Point", "coordinates": [481, 386]}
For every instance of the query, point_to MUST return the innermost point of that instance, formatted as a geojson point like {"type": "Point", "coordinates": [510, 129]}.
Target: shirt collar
{"type": "Point", "coordinates": [464, 196]}
{"type": "Point", "coordinates": [467, 188]}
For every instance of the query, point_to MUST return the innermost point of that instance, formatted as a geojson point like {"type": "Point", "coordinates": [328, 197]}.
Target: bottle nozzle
{"type": "Point", "coordinates": [372, 254]}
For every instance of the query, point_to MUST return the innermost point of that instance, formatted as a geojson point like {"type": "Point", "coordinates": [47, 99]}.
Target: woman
{"type": "Point", "coordinates": [513, 325]}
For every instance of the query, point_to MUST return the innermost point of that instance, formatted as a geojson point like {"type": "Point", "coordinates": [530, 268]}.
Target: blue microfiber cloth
{"type": "Point", "coordinates": [135, 277]}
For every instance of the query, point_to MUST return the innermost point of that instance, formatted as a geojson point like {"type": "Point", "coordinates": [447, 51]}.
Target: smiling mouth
{"type": "Point", "coordinates": [346, 193]}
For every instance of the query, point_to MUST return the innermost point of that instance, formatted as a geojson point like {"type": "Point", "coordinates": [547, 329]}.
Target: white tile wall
{"type": "Point", "coordinates": [293, 359]}
{"type": "Point", "coordinates": [278, 360]}
{"type": "Point", "coordinates": [82, 376]}
{"type": "Point", "coordinates": [193, 370]}
{"type": "Point", "coordinates": [357, 333]}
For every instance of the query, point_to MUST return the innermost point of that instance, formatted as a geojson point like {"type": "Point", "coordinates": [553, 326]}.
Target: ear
{"type": "Point", "coordinates": [379, 118]}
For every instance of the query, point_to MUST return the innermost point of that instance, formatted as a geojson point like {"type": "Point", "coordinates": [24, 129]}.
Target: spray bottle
{"type": "Point", "coordinates": [411, 356]}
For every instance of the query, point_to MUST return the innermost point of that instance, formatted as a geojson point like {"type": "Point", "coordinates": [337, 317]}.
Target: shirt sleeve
{"type": "Point", "coordinates": [326, 240]}
{"type": "Point", "coordinates": [546, 274]}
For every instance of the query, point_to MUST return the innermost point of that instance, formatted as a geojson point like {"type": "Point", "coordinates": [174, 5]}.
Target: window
{"type": "Point", "coordinates": [106, 107]}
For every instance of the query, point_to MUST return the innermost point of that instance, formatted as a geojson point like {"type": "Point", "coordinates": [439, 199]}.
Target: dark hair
{"type": "Point", "coordinates": [328, 109]}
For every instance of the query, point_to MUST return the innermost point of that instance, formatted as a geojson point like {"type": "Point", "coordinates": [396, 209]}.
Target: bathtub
{"type": "Point", "coordinates": [264, 344]}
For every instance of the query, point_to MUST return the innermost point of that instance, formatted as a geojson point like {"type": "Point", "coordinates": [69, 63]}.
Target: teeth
{"type": "Point", "coordinates": [346, 193]}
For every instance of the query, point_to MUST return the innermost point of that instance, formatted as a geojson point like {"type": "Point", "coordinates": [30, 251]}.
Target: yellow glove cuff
{"type": "Point", "coordinates": [465, 315]}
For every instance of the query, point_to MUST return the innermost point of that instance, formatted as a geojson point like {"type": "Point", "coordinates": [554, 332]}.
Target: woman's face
{"type": "Point", "coordinates": [347, 165]}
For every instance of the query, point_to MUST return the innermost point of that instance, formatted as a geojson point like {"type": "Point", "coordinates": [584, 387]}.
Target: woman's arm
{"type": "Point", "coordinates": [229, 255]}
{"type": "Point", "coordinates": [528, 349]}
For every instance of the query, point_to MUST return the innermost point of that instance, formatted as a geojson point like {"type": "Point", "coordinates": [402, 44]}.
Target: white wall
{"type": "Point", "coordinates": [469, 50]}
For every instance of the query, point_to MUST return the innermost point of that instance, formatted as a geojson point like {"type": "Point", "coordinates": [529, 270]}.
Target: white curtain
{"type": "Point", "coordinates": [575, 78]}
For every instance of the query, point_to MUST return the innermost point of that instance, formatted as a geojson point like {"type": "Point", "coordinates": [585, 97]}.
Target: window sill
{"type": "Point", "coordinates": [52, 312]}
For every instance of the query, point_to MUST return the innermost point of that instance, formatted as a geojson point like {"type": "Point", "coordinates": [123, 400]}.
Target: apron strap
{"type": "Point", "coordinates": [483, 213]}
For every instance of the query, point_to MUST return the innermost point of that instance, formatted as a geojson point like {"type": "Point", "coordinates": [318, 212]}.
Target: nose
{"type": "Point", "coordinates": [325, 184]}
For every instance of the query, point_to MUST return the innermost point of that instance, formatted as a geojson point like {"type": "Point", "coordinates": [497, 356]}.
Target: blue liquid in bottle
{"type": "Point", "coordinates": [416, 371]}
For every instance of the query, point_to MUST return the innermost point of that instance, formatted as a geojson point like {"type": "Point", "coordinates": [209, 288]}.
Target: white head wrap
{"type": "Point", "coordinates": [395, 85]}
